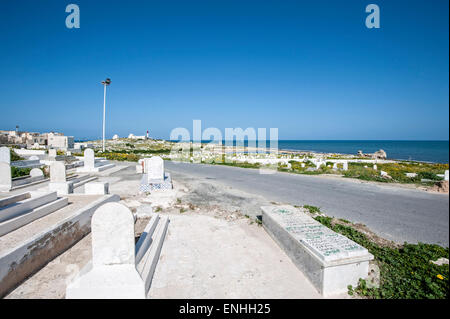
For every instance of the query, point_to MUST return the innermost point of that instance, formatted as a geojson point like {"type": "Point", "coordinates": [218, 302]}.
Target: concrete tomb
{"type": "Point", "coordinates": [331, 261]}
{"type": "Point", "coordinates": [5, 156]}
{"type": "Point", "coordinates": [155, 178]}
{"type": "Point", "coordinates": [96, 188]}
{"type": "Point", "coordinates": [90, 165]}
{"type": "Point", "coordinates": [112, 273]}
{"type": "Point", "coordinates": [5, 177]}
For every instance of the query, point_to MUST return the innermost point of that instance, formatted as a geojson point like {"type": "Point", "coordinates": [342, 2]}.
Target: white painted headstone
{"type": "Point", "coordinates": [89, 158]}
{"type": "Point", "coordinates": [155, 168]}
{"type": "Point", "coordinates": [5, 177]}
{"type": "Point", "coordinates": [57, 172]}
{"type": "Point", "coordinates": [112, 273]}
{"type": "Point", "coordinates": [5, 155]}
{"type": "Point", "coordinates": [375, 167]}
{"type": "Point", "coordinates": [113, 235]}
{"type": "Point", "coordinates": [35, 172]}
{"type": "Point", "coordinates": [345, 166]}
{"type": "Point", "coordinates": [52, 152]}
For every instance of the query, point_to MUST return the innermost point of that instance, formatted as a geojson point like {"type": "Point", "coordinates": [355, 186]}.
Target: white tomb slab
{"type": "Point", "coordinates": [331, 261]}
{"type": "Point", "coordinates": [112, 273]}
{"type": "Point", "coordinates": [5, 177]}
{"type": "Point", "coordinates": [5, 155]}
{"type": "Point", "coordinates": [34, 158]}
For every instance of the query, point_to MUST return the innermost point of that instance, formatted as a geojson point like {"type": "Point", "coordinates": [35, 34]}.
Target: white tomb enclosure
{"type": "Point", "coordinates": [5, 155]}
{"type": "Point", "coordinates": [411, 175]}
{"type": "Point", "coordinates": [331, 261]}
{"type": "Point", "coordinates": [96, 188]}
{"type": "Point", "coordinates": [21, 209]}
{"type": "Point", "coordinates": [58, 180]}
{"type": "Point", "coordinates": [119, 267]}
{"type": "Point", "coordinates": [446, 177]}
{"type": "Point", "coordinates": [5, 177]}
{"type": "Point", "coordinates": [91, 165]}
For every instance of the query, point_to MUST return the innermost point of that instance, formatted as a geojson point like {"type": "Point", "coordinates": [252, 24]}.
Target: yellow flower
{"type": "Point", "coordinates": [440, 277]}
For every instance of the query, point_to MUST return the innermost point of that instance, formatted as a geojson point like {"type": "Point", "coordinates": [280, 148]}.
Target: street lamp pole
{"type": "Point", "coordinates": [105, 84]}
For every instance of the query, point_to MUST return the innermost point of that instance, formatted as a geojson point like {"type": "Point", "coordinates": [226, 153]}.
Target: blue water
{"type": "Point", "coordinates": [426, 151]}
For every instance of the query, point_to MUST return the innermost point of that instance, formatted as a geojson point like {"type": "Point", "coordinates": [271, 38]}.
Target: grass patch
{"type": "Point", "coordinates": [406, 272]}
{"type": "Point", "coordinates": [312, 209]}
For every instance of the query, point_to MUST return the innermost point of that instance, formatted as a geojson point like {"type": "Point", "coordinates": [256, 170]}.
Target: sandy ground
{"type": "Point", "coordinates": [212, 249]}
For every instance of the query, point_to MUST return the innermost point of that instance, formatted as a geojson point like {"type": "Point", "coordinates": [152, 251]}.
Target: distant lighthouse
{"type": "Point", "coordinates": [147, 134]}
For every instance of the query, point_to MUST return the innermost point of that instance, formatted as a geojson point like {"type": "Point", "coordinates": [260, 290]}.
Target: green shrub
{"type": "Point", "coordinates": [18, 172]}
{"type": "Point", "coordinates": [405, 272]}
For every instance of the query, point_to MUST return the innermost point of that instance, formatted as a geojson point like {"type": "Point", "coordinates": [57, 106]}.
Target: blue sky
{"type": "Point", "coordinates": [310, 68]}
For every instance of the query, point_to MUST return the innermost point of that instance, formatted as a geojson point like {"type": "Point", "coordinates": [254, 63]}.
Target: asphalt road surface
{"type": "Point", "coordinates": [395, 213]}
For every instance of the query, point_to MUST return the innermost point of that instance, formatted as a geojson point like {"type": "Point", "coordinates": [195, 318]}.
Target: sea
{"type": "Point", "coordinates": [423, 151]}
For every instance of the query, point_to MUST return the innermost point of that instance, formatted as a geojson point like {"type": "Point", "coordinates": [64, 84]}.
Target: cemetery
{"type": "Point", "coordinates": [118, 227]}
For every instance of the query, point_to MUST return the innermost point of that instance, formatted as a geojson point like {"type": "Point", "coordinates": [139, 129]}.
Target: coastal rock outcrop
{"type": "Point", "coordinates": [381, 154]}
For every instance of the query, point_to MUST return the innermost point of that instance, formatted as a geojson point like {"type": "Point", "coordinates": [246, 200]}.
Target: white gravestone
{"type": "Point", "coordinates": [155, 168]}
{"type": "Point", "coordinates": [446, 176]}
{"type": "Point", "coordinates": [5, 177]}
{"type": "Point", "coordinates": [89, 158]}
{"type": "Point", "coordinates": [345, 166]}
{"type": "Point", "coordinates": [375, 167]}
{"type": "Point", "coordinates": [5, 155]}
{"type": "Point", "coordinates": [35, 172]}
{"type": "Point", "coordinates": [112, 273]}
{"type": "Point", "coordinates": [58, 181]}
{"type": "Point", "coordinates": [57, 172]}
{"type": "Point", "coordinates": [52, 152]}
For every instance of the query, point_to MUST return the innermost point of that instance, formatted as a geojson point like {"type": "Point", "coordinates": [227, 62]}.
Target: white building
{"type": "Point", "coordinates": [60, 142]}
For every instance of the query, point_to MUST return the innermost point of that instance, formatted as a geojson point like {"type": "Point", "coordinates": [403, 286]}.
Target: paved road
{"type": "Point", "coordinates": [395, 213]}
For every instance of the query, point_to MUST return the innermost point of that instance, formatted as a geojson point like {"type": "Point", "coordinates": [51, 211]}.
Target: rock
{"type": "Point", "coordinates": [440, 187]}
{"type": "Point", "coordinates": [381, 154]}
{"type": "Point", "coordinates": [385, 175]}
{"type": "Point", "coordinates": [360, 153]}
{"type": "Point", "coordinates": [440, 261]}
{"type": "Point", "coordinates": [373, 279]}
